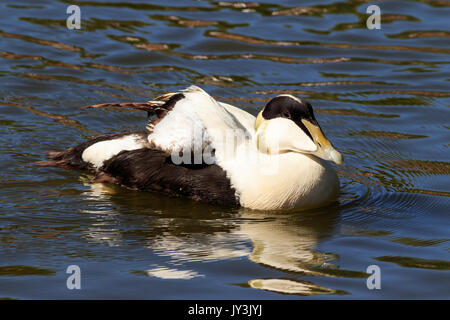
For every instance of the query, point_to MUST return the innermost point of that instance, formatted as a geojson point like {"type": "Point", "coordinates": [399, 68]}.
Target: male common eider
{"type": "Point", "coordinates": [211, 151]}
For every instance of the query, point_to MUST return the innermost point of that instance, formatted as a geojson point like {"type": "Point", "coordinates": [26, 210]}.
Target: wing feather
{"type": "Point", "coordinates": [189, 120]}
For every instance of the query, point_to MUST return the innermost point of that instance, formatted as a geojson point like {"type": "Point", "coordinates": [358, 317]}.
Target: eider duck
{"type": "Point", "coordinates": [210, 151]}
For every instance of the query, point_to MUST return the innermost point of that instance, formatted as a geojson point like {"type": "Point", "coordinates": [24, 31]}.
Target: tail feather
{"type": "Point", "coordinates": [67, 159]}
{"type": "Point", "coordinates": [71, 158]}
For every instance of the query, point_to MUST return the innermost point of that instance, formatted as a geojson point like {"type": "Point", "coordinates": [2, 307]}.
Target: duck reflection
{"type": "Point", "coordinates": [284, 241]}
{"type": "Point", "coordinates": [288, 242]}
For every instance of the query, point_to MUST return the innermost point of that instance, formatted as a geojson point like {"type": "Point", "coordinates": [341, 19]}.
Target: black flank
{"type": "Point", "coordinates": [152, 170]}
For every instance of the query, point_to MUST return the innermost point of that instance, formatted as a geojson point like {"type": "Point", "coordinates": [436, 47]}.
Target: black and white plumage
{"type": "Point", "coordinates": [211, 151]}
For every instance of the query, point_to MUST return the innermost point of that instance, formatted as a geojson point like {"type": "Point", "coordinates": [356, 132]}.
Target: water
{"type": "Point", "coordinates": [381, 96]}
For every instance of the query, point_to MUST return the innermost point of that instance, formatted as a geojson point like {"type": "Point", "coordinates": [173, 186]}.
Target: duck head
{"type": "Point", "coordinates": [287, 124]}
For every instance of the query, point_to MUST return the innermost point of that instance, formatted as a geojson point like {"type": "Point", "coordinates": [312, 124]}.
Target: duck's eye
{"type": "Point", "coordinates": [286, 115]}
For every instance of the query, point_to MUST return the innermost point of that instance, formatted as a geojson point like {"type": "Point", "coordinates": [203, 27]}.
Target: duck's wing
{"type": "Point", "coordinates": [190, 120]}
{"type": "Point", "coordinates": [198, 122]}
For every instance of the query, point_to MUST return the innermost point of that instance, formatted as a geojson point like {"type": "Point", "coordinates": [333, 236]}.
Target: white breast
{"type": "Point", "coordinates": [99, 152]}
{"type": "Point", "coordinates": [281, 181]}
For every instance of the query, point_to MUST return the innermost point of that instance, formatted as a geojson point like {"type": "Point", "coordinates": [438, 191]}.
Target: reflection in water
{"type": "Point", "coordinates": [169, 273]}
{"type": "Point", "coordinates": [289, 243]}
{"type": "Point", "coordinates": [284, 241]}
{"type": "Point", "coordinates": [288, 286]}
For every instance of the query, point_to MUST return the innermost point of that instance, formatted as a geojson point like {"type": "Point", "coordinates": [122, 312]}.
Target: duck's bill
{"type": "Point", "coordinates": [332, 155]}
{"type": "Point", "coordinates": [325, 149]}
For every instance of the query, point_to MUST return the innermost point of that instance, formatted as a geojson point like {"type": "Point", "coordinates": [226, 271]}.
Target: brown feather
{"type": "Point", "coordinates": [156, 109]}
{"type": "Point", "coordinates": [148, 106]}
